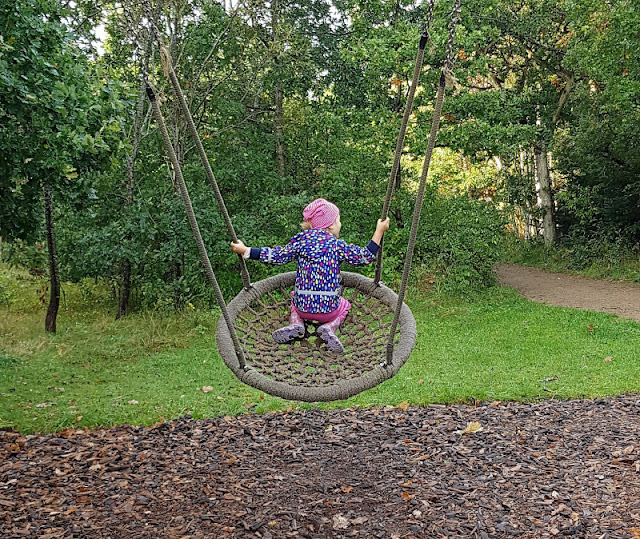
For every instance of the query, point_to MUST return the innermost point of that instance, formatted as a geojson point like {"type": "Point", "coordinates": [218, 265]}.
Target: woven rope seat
{"type": "Point", "coordinates": [305, 370]}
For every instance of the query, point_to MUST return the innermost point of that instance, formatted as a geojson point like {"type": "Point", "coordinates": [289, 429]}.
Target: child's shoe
{"type": "Point", "coordinates": [333, 343]}
{"type": "Point", "coordinates": [288, 333]}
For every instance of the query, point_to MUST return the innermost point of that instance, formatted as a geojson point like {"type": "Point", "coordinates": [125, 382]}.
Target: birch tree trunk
{"type": "Point", "coordinates": [54, 275]}
{"type": "Point", "coordinates": [545, 194]}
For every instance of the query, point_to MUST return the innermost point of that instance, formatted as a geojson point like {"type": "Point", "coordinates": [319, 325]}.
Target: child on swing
{"type": "Point", "coordinates": [319, 252]}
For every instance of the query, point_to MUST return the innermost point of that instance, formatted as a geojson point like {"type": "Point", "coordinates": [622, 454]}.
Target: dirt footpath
{"type": "Point", "coordinates": [617, 297]}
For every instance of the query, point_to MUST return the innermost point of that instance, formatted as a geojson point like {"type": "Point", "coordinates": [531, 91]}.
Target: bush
{"type": "Point", "coordinates": [460, 240]}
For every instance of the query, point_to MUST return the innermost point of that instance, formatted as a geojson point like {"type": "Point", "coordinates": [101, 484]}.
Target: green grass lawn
{"type": "Point", "coordinates": [150, 367]}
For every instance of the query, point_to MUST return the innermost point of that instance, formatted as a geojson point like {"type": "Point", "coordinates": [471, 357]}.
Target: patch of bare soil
{"type": "Point", "coordinates": [617, 297]}
{"type": "Point", "coordinates": [550, 469]}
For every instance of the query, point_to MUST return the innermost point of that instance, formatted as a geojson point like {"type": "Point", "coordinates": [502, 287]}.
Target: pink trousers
{"type": "Point", "coordinates": [334, 316]}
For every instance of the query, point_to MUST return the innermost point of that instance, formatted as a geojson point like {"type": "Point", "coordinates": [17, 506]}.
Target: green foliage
{"type": "Point", "coordinates": [460, 241]}
{"type": "Point", "coordinates": [7, 289]}
{"type": "Point", "coordinates": [602, 166]}
{"type": "Point", "coordinates": [345, 72]}
{"type": "Point", "coordinates": [53, 123]}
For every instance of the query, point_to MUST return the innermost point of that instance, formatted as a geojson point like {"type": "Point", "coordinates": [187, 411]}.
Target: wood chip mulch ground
{"type": "Point", "coordinates": [550, 469]}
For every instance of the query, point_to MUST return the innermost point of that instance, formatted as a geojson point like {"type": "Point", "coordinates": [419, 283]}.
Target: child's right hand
{"type": "Point", "coordinates": [382, 226]}
{"type": "Point", "coordinates": [239, 247]}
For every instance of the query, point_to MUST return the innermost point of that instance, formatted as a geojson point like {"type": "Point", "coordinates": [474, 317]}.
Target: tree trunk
{"type": "Point", "coordinates": [278, 94]}
{"type": "Point", "coordinates": [278, 131]}
{"type": "Point", "coordinates": [545, 194]}
{"type": "Point", "coordinates": [54, 300]}
{"type": "Point", "coordinates": [125, 289]}
{"type": "Point", "coordinates": [125, 286]}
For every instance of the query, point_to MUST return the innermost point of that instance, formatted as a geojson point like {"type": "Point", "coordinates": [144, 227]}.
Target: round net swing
{"type": "Point", "coordinates": [305, 370]}
{"type": "Point", "coordinates": [379, 332]}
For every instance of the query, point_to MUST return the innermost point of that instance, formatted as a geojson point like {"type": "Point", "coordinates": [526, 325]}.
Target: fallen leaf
{"type": "Point", "coordinates": [45, 404]}
{"type": "Point", "coordinates": [406, 496]}
{"type": "Point", "coordinates": [340, 522]}
{"type": "Point", "coordinates": [206, 389]}
{"type": "Point", "coordinates": [404, 406]}
{"type": "Point", "coordinates": [608, 358]}
{"type": "Point", "coordinates": [132, 401]}
{"type": "Point", "coordinates": [472, 427]}
{"type": "Point", "coordinates": [346, 490]}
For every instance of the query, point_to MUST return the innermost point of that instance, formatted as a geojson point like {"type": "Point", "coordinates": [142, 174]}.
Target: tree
{"type": "Point", "coordinates": [596, 150]}
{"type": "Point", "coordinates": [512, 94]}
{"type": "Point", "coordinates": [47, 108]}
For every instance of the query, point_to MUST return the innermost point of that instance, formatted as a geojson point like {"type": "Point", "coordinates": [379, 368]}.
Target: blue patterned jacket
{"type": "Point", "coordinates": [319, 255]}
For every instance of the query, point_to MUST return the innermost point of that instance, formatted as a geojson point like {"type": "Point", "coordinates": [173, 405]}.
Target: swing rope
{"type": "Point", "coordinates": [167, 65]}
{"type": "Point", "coordinates": [177, 170]}
{"type": "Point", "coordinates": [435, 124]}
{"type": "Point", "coordinates": [403, 130]}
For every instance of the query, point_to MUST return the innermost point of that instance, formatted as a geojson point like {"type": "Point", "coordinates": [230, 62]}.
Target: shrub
{"type": "Point", "coordinates": [460, 240]}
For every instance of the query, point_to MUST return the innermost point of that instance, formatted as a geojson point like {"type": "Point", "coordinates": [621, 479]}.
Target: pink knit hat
{"type": "Point", "coordinates": [321, 213]}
